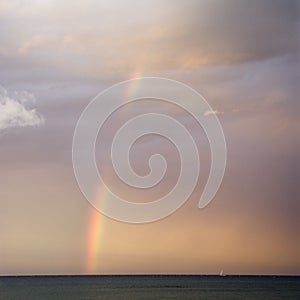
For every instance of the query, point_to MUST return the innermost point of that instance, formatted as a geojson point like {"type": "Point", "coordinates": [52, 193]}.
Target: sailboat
{"type": "Point", "coordinates": [222, 273]}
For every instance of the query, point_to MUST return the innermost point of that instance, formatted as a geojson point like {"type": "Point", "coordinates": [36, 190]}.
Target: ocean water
{"type": "Point", "coordinates": [149, 287]}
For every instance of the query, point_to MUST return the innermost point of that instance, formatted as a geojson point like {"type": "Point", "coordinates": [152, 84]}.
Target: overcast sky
{"type": "Point", "coordinates": [241, 55]}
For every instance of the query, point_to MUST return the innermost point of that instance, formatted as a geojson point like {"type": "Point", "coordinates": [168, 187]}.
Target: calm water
{"type": "Point", "coordinates": [149, 287]}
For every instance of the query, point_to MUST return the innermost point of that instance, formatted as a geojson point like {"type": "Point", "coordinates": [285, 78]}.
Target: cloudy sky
{"type": "Point", "coordinates": [241, 55]}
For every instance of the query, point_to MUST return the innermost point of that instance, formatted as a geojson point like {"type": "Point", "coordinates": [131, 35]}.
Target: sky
{"type": "Point", "coordinates": [242, 56]}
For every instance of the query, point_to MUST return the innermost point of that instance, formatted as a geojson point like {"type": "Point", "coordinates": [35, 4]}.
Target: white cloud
{"type": "Point", "coordinates": [213, 112]}
{"type": "Point", "coordinates": [14, 113]}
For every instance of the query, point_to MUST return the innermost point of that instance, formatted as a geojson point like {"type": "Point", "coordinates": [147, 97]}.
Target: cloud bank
{"type": "Point", "coordinates": [14, 113]}
{"type": "Point", "coordinates": [165, 35]}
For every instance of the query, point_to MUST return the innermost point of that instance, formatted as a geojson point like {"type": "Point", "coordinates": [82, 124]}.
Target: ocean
{"type": "Point", "coordinates": [149, 287]}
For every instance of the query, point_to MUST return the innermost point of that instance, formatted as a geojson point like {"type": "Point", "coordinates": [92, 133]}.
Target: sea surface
{"type": "Point", "coordinates": [148, 287]}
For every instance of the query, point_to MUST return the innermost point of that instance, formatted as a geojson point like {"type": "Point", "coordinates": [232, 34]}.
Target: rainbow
{"type": "Point", "coordinates": [94, 236]}
{"type": "Point", "coordinates": [96, 219]}
{"type": "Point", "coordinates": [133, 85]}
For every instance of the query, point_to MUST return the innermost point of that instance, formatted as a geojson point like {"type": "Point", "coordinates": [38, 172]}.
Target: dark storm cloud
{"type": "Point", "coordinates": [50, 41]}
{"type": "Point", "coordinates": [237, 31]}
